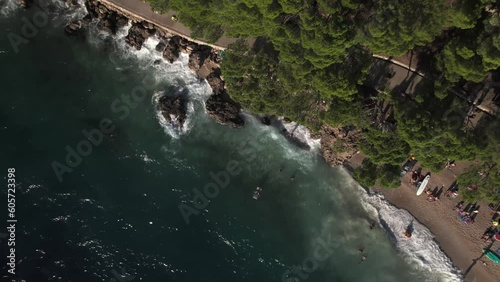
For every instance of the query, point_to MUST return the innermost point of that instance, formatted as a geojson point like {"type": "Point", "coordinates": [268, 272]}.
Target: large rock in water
{"type": "Point", "coordinates": [171, 51]}
{"type": "Point", "coordinates": [137, 34]}
{"type": "Point", "coordinates": [198, 56]}
{"type": "Point", "coordinates": [224, 111]}
{"type": "Point", "coordinates": [73, 28]}
{"type": "Point", "coordinates": [174, 109]}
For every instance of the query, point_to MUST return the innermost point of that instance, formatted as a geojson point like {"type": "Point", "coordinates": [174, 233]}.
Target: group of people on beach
{"type": "Point", "coordinates": [416, 176]}
{"type": "Point", "coordinates": [450, 164]}
{"type": "Point", "coordinates": [452, 192]}
{"type": "Point", "coordinates": [433, 196]}
{"type": "Point", "coordinates": [490, 234]}
{"type": "Point", "coordinates": [466, 215]}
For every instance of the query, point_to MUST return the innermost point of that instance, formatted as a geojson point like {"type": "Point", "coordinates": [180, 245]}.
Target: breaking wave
{"type": "Point", "coordinates": [422, 251]}
{"type": "Point", "coordinates": [8, 7]}
{"type": "Point", "coordinates": [165, 74]}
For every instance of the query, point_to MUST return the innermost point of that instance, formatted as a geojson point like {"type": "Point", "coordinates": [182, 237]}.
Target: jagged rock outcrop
{"type": "Point", "coordinates": [138, 33]}
{"type": "Point", "coordinates": [216, 82]}
{"type": "Point", "coordinates": [203, 60]}
{"type": "Point", "coordinates": [266, 120]}
{"type": "Point", "coordinates": [224, 111]}
{"type": "Point", "coordinates": [338, 145]}
{"type": "Point", "coordinates": [174, 109]}
{"type": "Point", "coordinates": [171, 51]}
{"type": "Point", "coordinates": [74, 27]}
{"type": "Point", "coordinates": [109, 21]}
{"type": "Point", "coordinates": [220, 106]}
{"type": "Point", "coordinates": [160, 46]}
{"type": "Point", "coordinates": [198, 56]}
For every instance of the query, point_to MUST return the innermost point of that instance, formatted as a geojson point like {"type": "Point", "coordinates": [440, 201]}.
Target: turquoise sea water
{"type": "Point", "coordinates": [114, 214]}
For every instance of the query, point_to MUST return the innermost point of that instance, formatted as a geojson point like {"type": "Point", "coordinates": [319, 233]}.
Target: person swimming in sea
{"type": "Point", "coordinates": [372, 225]}
{"type": "Point", "coordinates": [407, 233]}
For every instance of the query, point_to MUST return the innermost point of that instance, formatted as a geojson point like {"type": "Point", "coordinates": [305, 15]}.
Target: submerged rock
{"type": "Point", "coordinates": [73, 28]}
{"type": "Point", "coordinates": [71, 2]}
{"type": "Point", "coordinates": [174, 109]}
{"type": "Point", "coordinates": [160, 46]}
{"type": "Point", "coordinates": [25, 4]}
{"type": "Point", "coordinates": [266, 120]}
{"type": "Point", "coordinates": [120, 21]}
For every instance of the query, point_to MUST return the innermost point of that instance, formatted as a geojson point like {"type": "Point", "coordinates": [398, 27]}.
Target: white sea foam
{"type": "Point", "coordinates": [301, 133]}
{"type": "Point", "coordinates": [60, 12]}
{"type": "Point", "coordinates": [176, 74]}
{"type": "Point", "coordinates": [147, 159]}
{"type": "Point", "coordinates": [172, 128]}
{"type": "Point", "coordinates": [8, 7]}
{"type": "Point", "coordinates": [421, 251]}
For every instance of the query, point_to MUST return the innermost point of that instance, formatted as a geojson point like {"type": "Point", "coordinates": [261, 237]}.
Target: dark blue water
{"type": "Point", "coordinates": [113, 213]}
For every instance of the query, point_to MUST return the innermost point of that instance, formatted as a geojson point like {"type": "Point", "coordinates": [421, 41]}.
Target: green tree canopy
{"type": "Point", "coordinates": [398, 26]}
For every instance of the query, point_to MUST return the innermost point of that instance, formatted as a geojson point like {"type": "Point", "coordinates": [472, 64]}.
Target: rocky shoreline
{"type": "Point", "coordinates": [338, 145]}
{"type": "Point", "coordinates": [203, 59]}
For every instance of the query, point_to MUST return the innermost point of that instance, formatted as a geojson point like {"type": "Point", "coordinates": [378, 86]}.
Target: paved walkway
{"type": "Point", "coordinates": [143, 11]}
{"type": "Point", "coordinates": [399, 64]}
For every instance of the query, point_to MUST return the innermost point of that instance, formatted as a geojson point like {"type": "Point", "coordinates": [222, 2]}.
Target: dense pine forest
{"type": "Point", "coordinates": [312, 59]}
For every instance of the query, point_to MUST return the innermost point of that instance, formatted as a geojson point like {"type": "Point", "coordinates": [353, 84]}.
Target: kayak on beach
{"type": "Point", "coordinates": [422, 186]}
{"type": "Point", "coordinates": [492, 255]}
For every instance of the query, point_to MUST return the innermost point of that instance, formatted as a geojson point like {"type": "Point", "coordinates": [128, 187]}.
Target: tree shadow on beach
{"type": "Point", "coordinates": [439, 192]}
{"type": "Point", "coordinates": [474, 261]}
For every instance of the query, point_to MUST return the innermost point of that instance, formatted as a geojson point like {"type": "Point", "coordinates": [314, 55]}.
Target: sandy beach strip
{"type": "Point", "coordinates": [462, 243]}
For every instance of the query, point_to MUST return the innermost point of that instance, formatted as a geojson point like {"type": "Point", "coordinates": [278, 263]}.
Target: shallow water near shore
{"type": "Point", "coordinates": [116, 214]}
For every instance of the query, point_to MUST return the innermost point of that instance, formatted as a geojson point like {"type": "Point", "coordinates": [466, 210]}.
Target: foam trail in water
{"type": "Point", "coordinates": [261, 133]}
{"type": "Point", "coordinates": [421, 251]}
